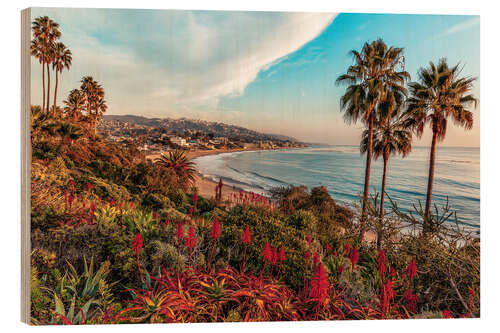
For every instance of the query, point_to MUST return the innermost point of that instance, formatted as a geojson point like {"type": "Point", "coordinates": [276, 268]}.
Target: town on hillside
{"type": "Point", "coordinates": [159, 135]}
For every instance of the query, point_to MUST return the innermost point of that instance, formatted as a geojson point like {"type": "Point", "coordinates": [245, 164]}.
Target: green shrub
{"type": "Point", "coordinates": [304, 221]}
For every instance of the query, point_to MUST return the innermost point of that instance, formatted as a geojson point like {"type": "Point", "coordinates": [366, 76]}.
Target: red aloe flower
{"type": "Point", "coordinates": [190, 239]}
{"type": "Point", "coordinates": [246, 238]}
{"type": "Point", "coordinates": [180, 232]}
{"type": "Point", "coordinates": [137, 243]}
{"type": "Point", "coordinates": [308, 255]}
{"type": "Point", "coordinates": [89, 187]}
{"type": "Point", "coordinates": [446, 314]}
{"type": "Point", "coordinates": [412, 269]}
{"type": "Point", "coordinates": [309, 240]}
{"type": "Point", "coordinates": [328, 248]}
{"type": "Point", "coordinates": [267, 254]}
{"type": "Point", "coordinates": [408, 296]}
{"type": "Point", "coordinates": [320, 285]}
{"type": "Point", "coordinates": [215, 233]}
{"type": "Point", "coordinates": [347, 249]}
{"type": "Point", "coordinates": [156, 216]}
{"type": "Point", "coordinates": [389, 290]}
{"type": "Point", "coordinates": [341, 269]}
{"type": "Point", "coordinates": [137, 246]}
{"type": "Point", "coordinates": [392, 273]}
{"type": "Point", "coordinates": [316, 258]}
{"type": "Point", "coordinates": [190, 242]}
{"type": "Point", "coordinates": [112, 203]}
{"type": "Point", "coordinates": [354, 257]}
{"type": "Point", "coordinates": [70, 200]}
{"type": "Point", "coordinates": [386, 296]}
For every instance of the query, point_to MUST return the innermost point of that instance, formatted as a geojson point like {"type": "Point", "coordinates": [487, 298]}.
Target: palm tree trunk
{"type": "Point", "coordinates": [382, 199]}
{"type": "Point", "coordinates": [367, 176]}
{"type": "Point", "coordinates": [43, 83]}
{"type": "Point", "coordinates": [48, 88]}
{"type": "Point", "coordinates": [430, 182]}
{"type": "Point", "coordinates": [55, 91]}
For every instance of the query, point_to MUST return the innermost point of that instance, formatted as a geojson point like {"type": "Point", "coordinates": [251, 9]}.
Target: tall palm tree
{"type": "Point", "coordinates": [180, 164]}
{"type": "Point", "coordinates": [377, 71]}
{"type": "Point", "coordinates": [438, 96]}
{"type": "Point", "coordinates": [75, 103]}
{"type": "Point", "coordinates": [62, 59]}
{"type": "Point", "coordinates": [45, 32]}
{"type": "Point", "coordinates": [95, 104]}
{"type": "Point", "coordinates": [391, 137]}
{"type": "Point", "coordinates": [36, 50]}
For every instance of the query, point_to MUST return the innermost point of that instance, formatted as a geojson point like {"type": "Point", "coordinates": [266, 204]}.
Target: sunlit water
{"type": "Point", "coordinates": [341, 170]}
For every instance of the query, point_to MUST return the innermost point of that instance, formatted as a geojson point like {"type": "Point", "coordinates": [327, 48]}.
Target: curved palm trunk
{"type": "Point", "coordinates": [48, 88]}
{"type": "Point", "coordinates": [430, 182]}
{"type": "Point", "coordinates": [55, 92]}
{"type": "Point", "coordinates": [43, 84]}
{"type": "Point", "coordinates": [367, 176]}
{"type": "Point", "coordinates": [382, 199]}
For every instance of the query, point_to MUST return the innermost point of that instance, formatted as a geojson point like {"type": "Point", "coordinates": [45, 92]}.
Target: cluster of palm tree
{"type": "Point", "coordinates": [50, 52]}
{"type": "Point", "coordinates": [391, 111]}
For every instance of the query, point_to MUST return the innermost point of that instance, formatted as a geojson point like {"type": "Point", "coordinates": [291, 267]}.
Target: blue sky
{"type": "Point", "coordinates": [272, 72]}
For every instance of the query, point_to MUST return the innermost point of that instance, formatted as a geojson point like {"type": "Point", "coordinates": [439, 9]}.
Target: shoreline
{"type": "Point", "coordinates": [206, 186]}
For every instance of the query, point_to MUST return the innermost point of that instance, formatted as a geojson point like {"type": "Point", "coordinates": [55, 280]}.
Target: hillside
{"type": "Point", "coordinates": [206, 127]}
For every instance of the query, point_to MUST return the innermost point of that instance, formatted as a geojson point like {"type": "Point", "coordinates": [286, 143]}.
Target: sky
{"type": "Point", "coordinates": [273, 72]}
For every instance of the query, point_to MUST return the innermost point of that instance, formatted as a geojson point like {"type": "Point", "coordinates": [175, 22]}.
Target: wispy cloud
{"type": "Point", "coordinates": [465, 25]}
{"type": "Point", "coordinates": [167, 61]}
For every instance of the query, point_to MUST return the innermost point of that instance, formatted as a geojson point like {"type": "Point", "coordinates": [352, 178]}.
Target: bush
{"type": "Point", "coordinates": [156, 201]}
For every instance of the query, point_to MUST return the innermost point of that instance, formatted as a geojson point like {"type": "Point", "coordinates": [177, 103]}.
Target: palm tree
{"type": "Point", "coordinates": [180, 164]}
{"type": "Point", "coordinates": [69, 132]}
{"type": "Point", "coordinates": [62, 59]}
{"type": "Point", "coordinates": [94, 101]}
{"type": "Point", "coordinates": [45, 33]}
{"type": "Point", "coordinates": [377, 71]}
{"type": "Point", "coordinates": [438, 96]}
{"type": "Point", "coordinates": [74, 104]}
{"type": "Point", "coordinates": [390, 137]}
{"type": "Point", "coordinates": [36, 50]}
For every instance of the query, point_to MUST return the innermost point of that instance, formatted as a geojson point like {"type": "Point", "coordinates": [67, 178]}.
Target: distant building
{"type": "Point", "coordinates": [249, 145]}
{"type": "Point", "coordinates": [179, 141]}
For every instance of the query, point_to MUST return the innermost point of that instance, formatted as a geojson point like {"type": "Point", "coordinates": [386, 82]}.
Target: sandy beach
{"type": "Point", "coordinates": [206, 187]}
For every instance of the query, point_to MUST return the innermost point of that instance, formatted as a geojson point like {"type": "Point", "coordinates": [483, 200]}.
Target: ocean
{"type": "Point", "coordinates": [341, 170]}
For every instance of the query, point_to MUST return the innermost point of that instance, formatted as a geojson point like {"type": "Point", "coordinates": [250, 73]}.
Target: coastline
{"type": "Point", "coordinates": [206, 187]}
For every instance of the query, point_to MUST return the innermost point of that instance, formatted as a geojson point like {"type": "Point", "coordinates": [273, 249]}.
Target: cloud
{"type": "Point", "coordinates": [167, 61]}
{"type": "Point", "coordinates": [472, 22]}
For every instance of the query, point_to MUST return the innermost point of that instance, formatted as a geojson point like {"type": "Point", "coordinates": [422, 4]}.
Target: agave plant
{"type": "Point", "coordinates": [87, 294]}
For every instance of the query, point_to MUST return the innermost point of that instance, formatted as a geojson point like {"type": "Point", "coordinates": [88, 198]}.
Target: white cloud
{"type": "Point", "coordinates": [150, 61]}
{"type": "Point", "coordinates": [460, 27]}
